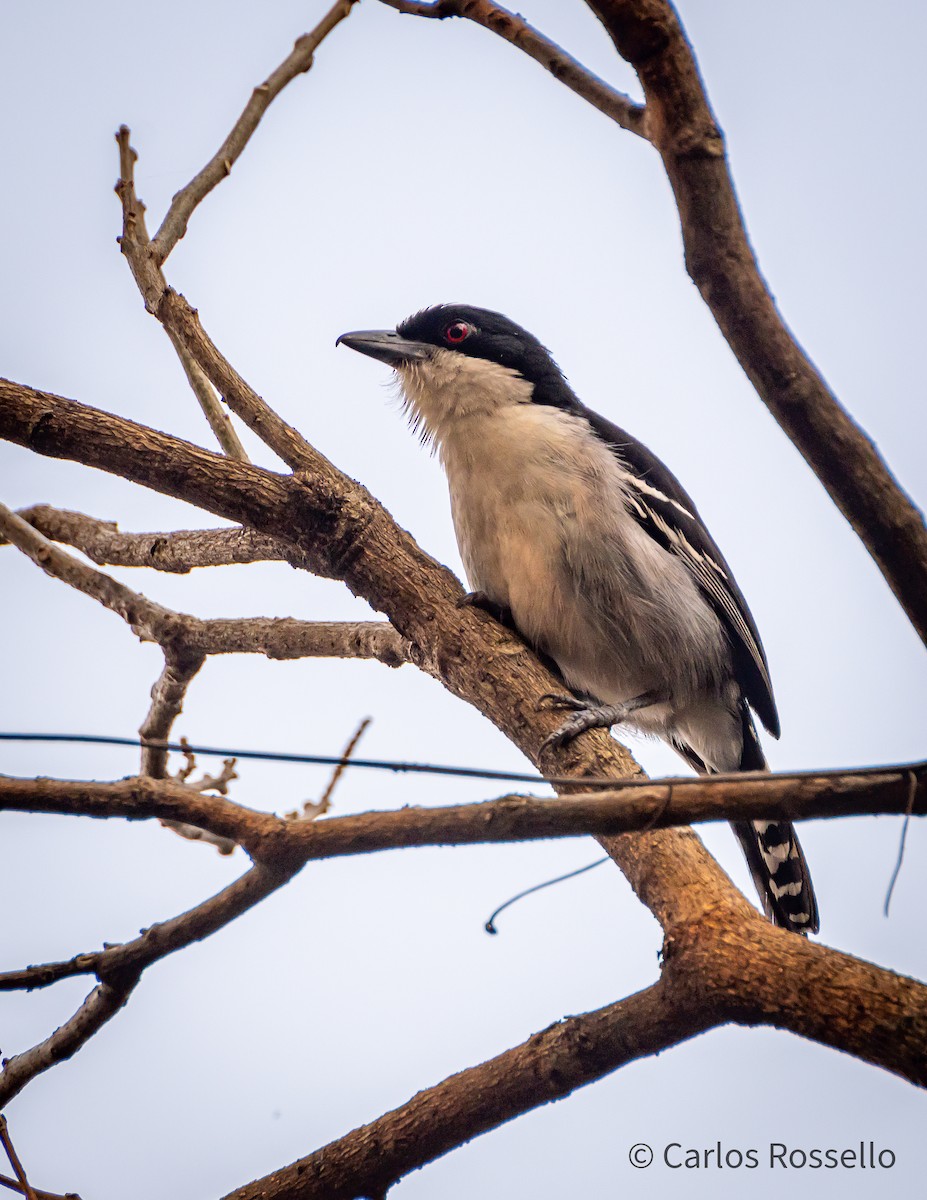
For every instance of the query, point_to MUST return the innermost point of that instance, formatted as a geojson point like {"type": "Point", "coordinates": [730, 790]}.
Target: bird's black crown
{"type": "Point", "coordinates": [482, 333]}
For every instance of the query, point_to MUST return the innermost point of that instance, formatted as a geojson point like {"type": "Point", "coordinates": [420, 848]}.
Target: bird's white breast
{"type": "Point", "coordinates": [538, 503]}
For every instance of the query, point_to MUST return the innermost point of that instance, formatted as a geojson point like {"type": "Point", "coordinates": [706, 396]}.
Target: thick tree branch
{"type": "Point", "coordinates": [549, 1066]}
{"type": "Point", "coordinates": [553, 58]}
{"type": "Point", "coordinates": [298, 62]}
{"type": "Point", "coordinates": [681, 124]}
{"type": "Point", "coordinates": [787, 981]}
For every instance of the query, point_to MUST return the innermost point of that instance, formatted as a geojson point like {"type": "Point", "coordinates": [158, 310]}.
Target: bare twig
{"type": "Point", "coordinates": [100, 1006]}
{"type": "Point", "coordinates": [18, 1168]}
{"type": "Point", "coordinates": [515, 29]}
{"type": "Point", "coordinates": [187, 639]}
{"type": "Point", "coordinates": [177, 552]}
{"type": "Point", "coordinates": [15, 1186]}
{"type": "Point", "coordinates": [148, 620]}
{"type": "Point", "coordinates": [219, 421]}
{"type": "Point", "coordinates": [297, 63]}
{"type": "Point", "coordinates": [164, 938]}
{"type": "Point", "coordinates": [324, 804]}
{"type": "Point", "coordinates": [182, 323]}
{"type": "Point", "coordinates": [135, 242]}
{"type": "Point", "coordinates": [207, 783]}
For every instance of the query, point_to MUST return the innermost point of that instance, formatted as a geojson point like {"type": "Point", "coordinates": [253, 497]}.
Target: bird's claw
{"type": "Point", "coordinates": [585, 716]}
{"type": "Point", "coordinates": [480, 600]}
{"type": "Point", "coordinates": [562, 700]}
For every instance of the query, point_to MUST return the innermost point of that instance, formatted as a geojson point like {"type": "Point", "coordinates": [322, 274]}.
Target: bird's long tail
{"type": "Point", "coordinates": [771, 848]}
{"type": "Point", "coordinates": [774, 855]}
{"type": "Point", "coordinates": [780, 872]}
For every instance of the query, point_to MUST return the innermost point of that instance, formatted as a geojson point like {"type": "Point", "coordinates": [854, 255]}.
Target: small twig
{"type": "Point", "coordinates": [208, 783]}
{"type": "Point", "coordinates": [325, 803]}
{"type": "Point", "coordinates": [912, 796]}
{"type": "Point", "coordinates": [18, 1168]}
{"type": "Point", "coordinates": [135, 246]}
{"type": "Point", "coordinates": [553, 58]}
{"type": "Point", "coordinates": [219, 420]}
{"type": "Point", "coordinates": [183, 325]}
{"type": "Point", "coordinates": [14, 1186]}
{"type": "Point", "coordinates": [174, 225]}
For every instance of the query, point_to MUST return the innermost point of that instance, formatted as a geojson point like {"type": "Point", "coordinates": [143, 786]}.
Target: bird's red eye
{"type": "Point", "coordinates": [458, 332]}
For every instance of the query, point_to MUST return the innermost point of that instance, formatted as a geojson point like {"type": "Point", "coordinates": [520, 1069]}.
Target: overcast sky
{"type": "Point", "coordinates": [422, 162]}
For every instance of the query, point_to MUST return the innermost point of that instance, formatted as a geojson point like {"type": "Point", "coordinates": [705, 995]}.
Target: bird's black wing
{"type": "Point", "coordinates": [663, 507]}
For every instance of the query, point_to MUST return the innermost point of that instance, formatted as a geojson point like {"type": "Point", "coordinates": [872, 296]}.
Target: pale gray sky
{"type": "Point", "coordinates": [418, 163]}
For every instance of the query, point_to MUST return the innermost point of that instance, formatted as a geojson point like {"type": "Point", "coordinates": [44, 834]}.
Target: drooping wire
{"type": "Point", "coordinates": [490, 925]}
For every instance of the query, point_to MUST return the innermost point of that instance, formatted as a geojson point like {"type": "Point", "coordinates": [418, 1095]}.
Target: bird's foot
{"type": "Point", "coordinates": [480, 600]}
{"type": "Point", "coordinates": [587, 715]}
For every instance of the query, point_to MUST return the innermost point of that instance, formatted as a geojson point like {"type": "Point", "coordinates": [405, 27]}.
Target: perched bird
{"type": "Point", "coordinates": [588, 541]}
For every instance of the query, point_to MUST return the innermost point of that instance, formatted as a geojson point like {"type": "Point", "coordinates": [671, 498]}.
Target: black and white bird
{"type": "Point", "coordinates": [589, 542]}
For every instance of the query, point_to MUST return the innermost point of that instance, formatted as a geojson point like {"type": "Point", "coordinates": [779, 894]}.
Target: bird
{"type": "Point", "coordinates": [579, 536]}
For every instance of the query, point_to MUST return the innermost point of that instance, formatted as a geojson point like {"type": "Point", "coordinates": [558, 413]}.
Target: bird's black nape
{"type": "Point", "coordinates": [482, 333]}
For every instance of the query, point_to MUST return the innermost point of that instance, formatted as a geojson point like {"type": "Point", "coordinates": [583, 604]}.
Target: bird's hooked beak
{"type": "Point", "coordinates": [386, 345]}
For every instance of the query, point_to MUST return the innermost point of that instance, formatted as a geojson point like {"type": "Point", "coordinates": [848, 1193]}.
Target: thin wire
{"type": "Point", "coordinates": [912, 792]}
{"type": "Point", "coordinates": [490, 925]}
{"type": "Point", "coordinates": [910, 770]}
{"type": "Point", "coordinates": [318, 760]}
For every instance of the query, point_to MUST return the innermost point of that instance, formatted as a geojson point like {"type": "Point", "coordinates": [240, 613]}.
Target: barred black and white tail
{"type": "Point", "coordinates": [780, 872]}
{"type": "Point", "coordinates": [771, 848]}
{"type": "Point", "coordinates": [774, 855]}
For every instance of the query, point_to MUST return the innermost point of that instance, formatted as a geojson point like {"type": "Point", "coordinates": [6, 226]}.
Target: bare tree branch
{"type": "Point", "coordinates": [177, 552]}
{"type": "Point", "coordinates": [182, 323]}
{"type": "Point", "coordinates": [219, 420]}
{"type": "Point", "coordinates": [549, 1066]}
{"type": "Point", "coordinates": [220, 165]}
{"type": "Point", "coordinates": [167, 697]}
{"type": "Point", "coordinates": [23, 1183]}
{"type": "Point", "coordinates": [345, 533]}
{"type": "Point", "coordinates": [681, 124]}
{"type": "Point", "coordinates": [187, 639]}
{"type": "Point", "coordinates": [837, 1002]}
{"type": "Point", "coordinates": [626, 807]}
{"type": "Point", "coordinates": [14, 1186]}
{"type": "Point", "coordinates": [156, 942]}
{"type": "Point", "coordinates": [553, 58]}
{"type": "Point", "coordinates": [102, 1004]}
